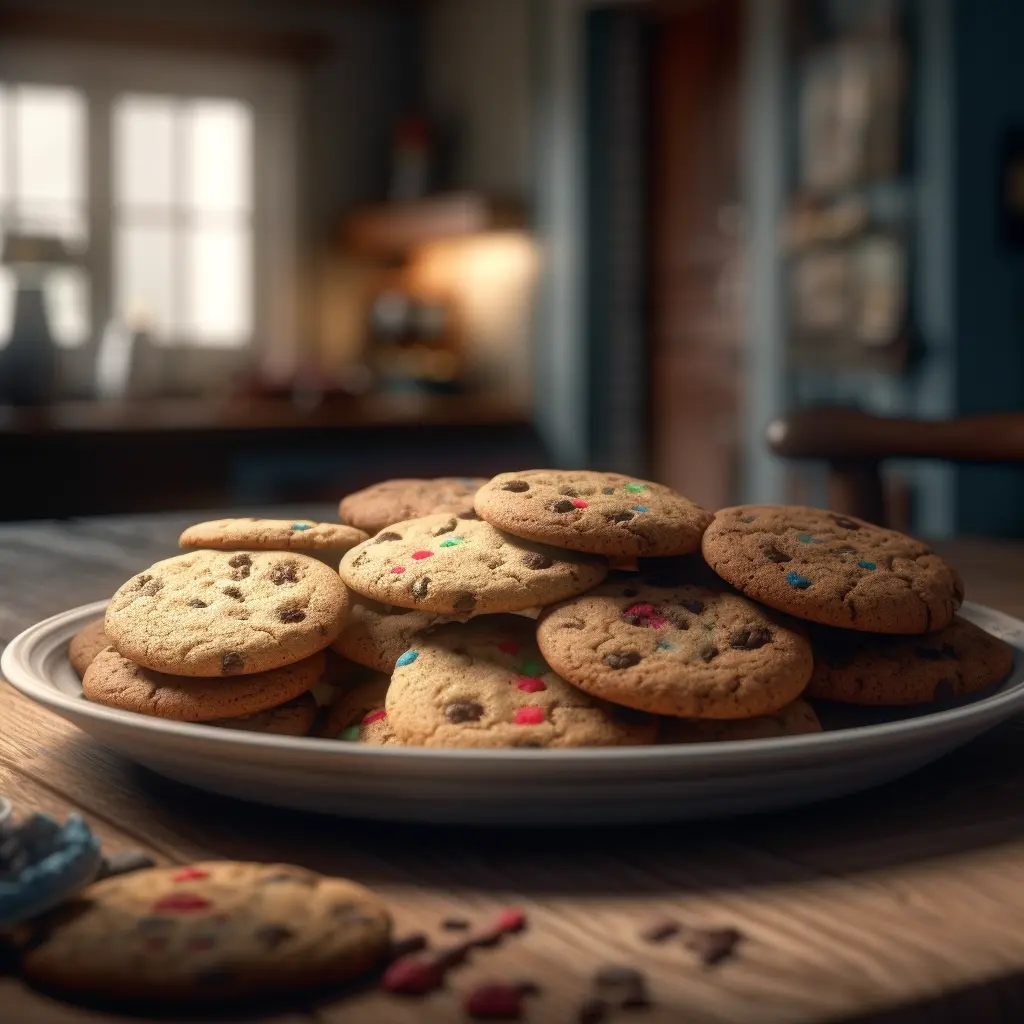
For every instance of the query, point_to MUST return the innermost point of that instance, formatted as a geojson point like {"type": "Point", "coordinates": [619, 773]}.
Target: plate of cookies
{"type": "Point", "coordinates": [545, 647]}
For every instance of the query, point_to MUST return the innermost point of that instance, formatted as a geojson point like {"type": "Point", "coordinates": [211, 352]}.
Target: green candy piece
{"type": "Point", "coordinates": [450, 542]}
{"type": "Point", "coordinates": [635, 488]}
{"type": "Point", "coordinates": [533, 668]}
{"type": "Point", "coordinates": [350, 734]}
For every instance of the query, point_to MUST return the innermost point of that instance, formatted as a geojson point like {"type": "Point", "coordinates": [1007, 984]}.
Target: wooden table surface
{"type": "Point", "coordinates": [903, 904]}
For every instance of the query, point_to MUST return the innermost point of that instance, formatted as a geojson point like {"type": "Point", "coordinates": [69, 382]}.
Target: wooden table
{"type": "Point", "coordinates": [905, 904]}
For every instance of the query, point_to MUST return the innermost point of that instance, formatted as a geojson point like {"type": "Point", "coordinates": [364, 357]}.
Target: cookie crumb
{"type": "Point", "coordinates": [661, 930]}
{"type": "Point", "coordinates": [624, 986]}
{"type": "Point", "coordinates": [712, 945]}
{"type": "Point", "coordinates": [455, 924]}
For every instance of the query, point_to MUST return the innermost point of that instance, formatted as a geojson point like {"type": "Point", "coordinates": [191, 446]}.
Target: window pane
{"type": "Point", "coordinates": [49, 136]}
{"type": "Point", "coordinates": [218, 155]}
{"type": "Point", "coordinates": [144, 279]}
{"type": "Point", "coordinates": [219, 289]}
{"type": "Point", "coordinates": [144, 150]}
{"type": "Point", "coordinates": [54, 219]}
{"type": "Point", "coordinates": [6, 305]}
{"type": "Point", "coordinates": [66, 291]}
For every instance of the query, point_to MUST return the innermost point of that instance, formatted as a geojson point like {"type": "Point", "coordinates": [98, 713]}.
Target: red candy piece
{"type": "Point", "coordinates": [652, 617]}
{"type": "Point", "coordinates": [529, 716]}
{"type": "Point", "coordinates": [189, 875]}
{"type": "Point", "coordinates": [412, 977]}
{"type": "Point", "coordinates": [494, 1002]}
{"type": "Point", "coordinates": [375, 716]}
{"type": "Point", "coordinates": [398, 568]}
{"type": "Point", "coordinates": [509, 647]}
{"type": "Point", "coordinates": [579, 503]}
{"type": "Point", "coordinates": [643, 610]}
{"type": "Point", "coordinates": [656, 621]}
{"type": "Point", "coordinates": [422, 554]}
{"type": "Point", "coordinates": [181, 901]}
{"type": "Point", "coordinates": [512, 919]}
{"type": "Point", "coordinates": [530, 685]}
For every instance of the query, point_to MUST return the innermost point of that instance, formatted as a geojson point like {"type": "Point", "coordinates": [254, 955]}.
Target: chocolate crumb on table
{"type": "Point", "coordinates": [622, 986]}
{"type": "Point", "coordinates": [712, 945]}
{"type": "Point", "coordinates": [660, 930]}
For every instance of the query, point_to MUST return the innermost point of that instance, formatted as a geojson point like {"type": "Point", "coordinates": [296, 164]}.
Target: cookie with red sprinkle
{"type": "Point", "coordinates": [357, 713]}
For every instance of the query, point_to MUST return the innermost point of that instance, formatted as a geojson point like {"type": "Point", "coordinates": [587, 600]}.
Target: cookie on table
{"type": "Point", "coordinates": [796, 719]}
{"type": "Point", "coordinates": [86, 644]}
{"type": "Point", "coordinates": [680, 650]}
{"type": "Point", "coordinates": [115, 681]}
{"type": "Point", "coordinates": [295, 718]}
{"type": "Point", "coordinates": [602, 513]}
{"type": "Point", "coordinates": [898, 670]}
{"type": "Point", "coordinates": [393, 501]}
{"type": "Point", "coordinates": [358, 713]}
{"type": "Point", "coordinates": [483, 683]}
{"type": "Point", "coordinates": [208, 933]}
{"type": "Point", "coordinates": [375, 635]}
{"type": "Point", "coordinates": [219, 613]}
{"type": "Point", "coordinates": [833, 569]}
{"type": "Point", "coordinates": [450, 566]}
{"type": "Point", "coordinates": [326, 541]}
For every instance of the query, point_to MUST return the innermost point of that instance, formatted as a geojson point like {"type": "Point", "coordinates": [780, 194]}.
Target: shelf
{"type": "Point", "coordinates": [393, 229]}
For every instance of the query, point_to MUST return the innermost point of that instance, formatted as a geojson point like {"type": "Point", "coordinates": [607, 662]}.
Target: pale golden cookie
{"type": "Point", "coordinates": [483, 683]}
{"type": "Point", "coordinates": [448, 566]}
{"type": "Point", "coordinates": [393, 501]}
{"type": "Point", "coordinates": [208, 933]}
{"type": "Point", "coordinates": [358, 713]}
{"type": "Point", "coordinates": [85, 645]}
{"type": "Point", "coordinates": [217, 613]}
{"type": "Point", "coordinates": [794, 719]}
{"type": "Point", "coordinates": [326, 541]}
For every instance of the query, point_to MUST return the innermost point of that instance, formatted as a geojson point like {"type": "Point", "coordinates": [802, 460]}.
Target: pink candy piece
{"type": "Point", "coordinates": [413, 977]}
{"type": "Point", "coordinates": [494, 1002]}
{"type": "Point", "coordinates": [375, 716]}
{"type": "Point", "coordinates": [189, 875]}
{"type": "Point", "coordinates": [579, 503]}
{"type": "Point", "coordinates": [398, 568]}
{"type": "Point", "coordinates": [422, 554]}
{"type": "Point", "coordinates": [529, 716]}
{"type": "Point", "coordinates": [512, 919]}
{"type": "Point", "coordinates": [530, 685]}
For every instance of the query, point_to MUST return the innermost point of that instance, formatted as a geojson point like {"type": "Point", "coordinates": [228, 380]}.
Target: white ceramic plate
{"type": "Point", "coordinates": [509, 787]}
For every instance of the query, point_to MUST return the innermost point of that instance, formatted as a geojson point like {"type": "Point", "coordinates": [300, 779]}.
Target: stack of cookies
{"type": "Point", "coordinates": [538, 609]}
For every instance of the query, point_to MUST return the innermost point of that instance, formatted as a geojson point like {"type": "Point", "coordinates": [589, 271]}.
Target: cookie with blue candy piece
{"type": "Point", "coordinates": [325, 541]}
{"type": "Point", "coordinates": [833, 569]}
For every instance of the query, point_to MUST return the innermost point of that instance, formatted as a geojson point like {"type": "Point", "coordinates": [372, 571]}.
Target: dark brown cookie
{"type": "Point", "coordinates": [833, 569]}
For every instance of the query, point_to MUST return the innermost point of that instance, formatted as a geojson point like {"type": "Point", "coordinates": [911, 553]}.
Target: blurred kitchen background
{"type": "Point", "coordinates": [262, 251]}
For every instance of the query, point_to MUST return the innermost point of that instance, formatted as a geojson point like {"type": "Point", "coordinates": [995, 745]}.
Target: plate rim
{"type": "Point", "coordinates": [16, 670]}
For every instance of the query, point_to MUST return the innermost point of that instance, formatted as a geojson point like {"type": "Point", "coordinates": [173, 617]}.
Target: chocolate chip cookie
{"type": "Point", "coordinates": [393, 501]}
{"type": "Point", "coordinates": [794, 719]}
{"type": "Point", "coordinates": [85, 645]}
{"type": "Point", "coordinates": [208, 933]}
{"type": "Point", "coordinates": [358, 713]}
{"type": "Point", "coordinates": [833, 569]}
{"type": "Point", "coordinates": [679, 650]}
{"type": "Point", "coordinates": [451, 566]}
{"type": "Point", "coordinates": [219, 613]}
{"type": "Point", "coordinates": [859, 669]}
{"type": "Point", "coordinates": [326, 541]}
{"type": "Point", "coordinates": [295, 718]}
{"type": "Point", "coordinates": [484, 683]}
{"type": "Point", "coordinates": [602, 513]}
{"type": "Point", "coordinates": [115, 681]}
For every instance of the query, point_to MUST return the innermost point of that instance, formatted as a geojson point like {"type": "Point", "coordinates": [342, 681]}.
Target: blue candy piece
{"type": "Point", "coordinates": [640, 508]}
{"type": "Point", "coordinates": [867, 565]}
{"type": "Point", "coordinates": [407, 659]}
{"type": "Point", "coordinates": [806, 538]}
{"type": "Point", "coordinates": [794, 579]}
{"type": "Point", "coordinates": [664, 645]}
{"type": "Point", "coordinates": [61, 859]}
{"type": "Point", "coordinates": [301, 526]}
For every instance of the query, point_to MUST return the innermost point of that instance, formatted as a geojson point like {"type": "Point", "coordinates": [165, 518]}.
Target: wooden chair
{"type": "Point", "coordinates": [855, 444]}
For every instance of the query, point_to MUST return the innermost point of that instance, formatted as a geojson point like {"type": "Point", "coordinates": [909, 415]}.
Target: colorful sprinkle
{"type": "Point", "coordinates": [511, 919]}
{"type": "Point", "coordinates": [375, 716]}
{"type": "Point", "coordinates": [529, 716]}
{"type": "Point", "coordinates": [181, 901]}
{"type": "Point", "coordinates": [451, 542]}
{"type": "Point", "coordinates": [422, 554]}
{"type": "Point", "coordinates": [806, 538]}
{"type": "Point", "coordinates": [867, 565]}
{"type": "Point", "coordinates": [533, 668]}
{"type": "Point", "coordinates": [664, 645]}
{"type": "Point", "coordinates": [407, 659]}
{"type": "Point", "coordinates": [301, 526]}
{"type": "Point", "coordinates": [636, 488]}
{"type": "Point", "coordinates": [509, 647]}
{"type": "Point", "coordinates": [189, 875]}
{"type": "Point", "coordinates": [351, 734]}
{"type": "Point", "coordinates": [528, 684]}
{"type": "Point", "coordinates": [640, 508]}
{"type": "Point", "coordinates": [794, 579]}
{"type": "Point", "coordinates": [398, 569]}
{"type": "Point", "coordinates": [579, 503]}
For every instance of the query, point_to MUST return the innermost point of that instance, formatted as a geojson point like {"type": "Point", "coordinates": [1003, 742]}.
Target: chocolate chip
{"type": "Point", "coordinates": [455, 924]}
{"type": "Point", "coordinates": [773, 554]}
{"type": "Point", "coordinates": [284, 572]}
{"type": "Point", "coordinates": [463, 711]}
{"type": "Point", "coordinates": [750, 638]}
{"type": "Point", "coordinates": [468, 514]}
{"type": "Point", "coordinates": [242, 564]}
{"type": "Point", "coordinates": [386, 535]}
{"type": "Point", "coordinates": [465, 602]}
{"type": "Point", "coordinates": [622, 659]}
{"type": "Point", "coordinates": [142, 580]}
{"type": "Point", "coordinates": [233, 592]}
{"type": "Point", "coordinates": [593, 1011]}
{"type": "Point", "coordinates": [569, 492]}
{"type": "Point", "coordinates": [712, 945]}
{"type": "Point", "coordinates": [420, 588]}
{"type": "Point", "coordinates": [518, 486]}
{"type": "Point", "coordinates": [660, 930]}
{"type": "Point", "coordinates": [563, 506]}
{"type": "Point", "coordinates": [846, 524]}
{"type": "Point", "coordinates": [151, 587]}
{"type": "Point", "coordinates": [620, 517]}
{"type": "Point", "coordinates": [635, 620]}
{"type": "Point", "coordinates": [535, 560]}
{"type": "Point", "coordinates": [625, 986]}
{"type": "Point", "coordinates": [196, 603]}
{"type": "Point", "coordinates": [691, 604]}
{"type": "Point", "coordinates": [273, 935]}
{"type": "Point", "coordinates": [678, 620]}
{"type": "Point", "coordinates": [572, 624]}
{"type": "Point", "coordinates": [607, 490]}
{"type": "Point", "coordinates": [447, 528]}
{"type": "Point", "coordinates": [232, 662]}
{"type": "Point", "coordinates": [709, 653]}
{"type": "Point", "coordinates": [291, 615]}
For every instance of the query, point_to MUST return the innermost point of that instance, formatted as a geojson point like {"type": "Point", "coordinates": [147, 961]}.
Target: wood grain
{"type": "Point", "coordinates": [899, 905]}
